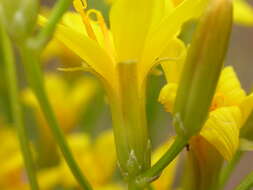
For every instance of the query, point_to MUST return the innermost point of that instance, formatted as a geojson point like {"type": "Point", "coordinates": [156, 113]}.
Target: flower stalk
{"type": "Point", "coordinates": [155, 171]}
{"type": "Point", "coordinates": [35, 80]}
{"type": "Point", "coordinates": [11, 79]}
{"type": "Point", "coordinates": [46, 33]}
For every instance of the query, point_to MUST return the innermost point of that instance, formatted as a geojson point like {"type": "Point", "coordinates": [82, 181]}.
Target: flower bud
{"type": "Point", "coordinates": [202, 68]}
{"type": "Point", "coordinates": [19, 16]}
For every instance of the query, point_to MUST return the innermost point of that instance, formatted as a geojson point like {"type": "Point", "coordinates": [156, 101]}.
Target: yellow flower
{"type": "Point", "coordinates": [123, 55]}
{"type": "Point", "coordinates": [12, 175]}
{"type": "Point", "coordinates": [68, 100]}
{"type": "Point", "coordinates": [228, 112]}
{"type": "Point", "coordinates": [139, 37]}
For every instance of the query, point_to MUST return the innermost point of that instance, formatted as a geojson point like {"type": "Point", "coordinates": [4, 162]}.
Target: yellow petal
{"type": "Point", "coordinates": [161, 36]}
{"type": "Point", "coordinates": [168, 95]}
{"type": "Point", "coordinates": [130, 23]}
{"type": "Point", "coordinates": [230, 88]}
{"type": "Point", "coordinates": [243, 13]}
{"type": "Point", "coordinates": [57, 49]}
{"type": "Point", "coordinates": [104, 151]}
{"type": "Point", "coordinates": [74, 20]}
{"type": "Point", "coordinates": [75, 97]}
{"type": "Point", "coordinates": [49, 178]}
{"type": "Point", "coordinates": [90, 51]}
{"type": "Point", "coordinates": [176, 51]}
{"type": "Point", "coordinates": [165, 181]}
{"type": "Point", "coordinates": [12, 168]}
{"type": "Point", "coordinates": [222, 130]}
{"type": "Point", "coordinates": [169, 7]}
{"type": "Point", "coordinates": [176, 2]}
{"type": "Point", "coordinates": [79, 143]}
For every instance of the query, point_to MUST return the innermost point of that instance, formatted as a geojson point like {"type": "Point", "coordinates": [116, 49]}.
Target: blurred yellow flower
{"type": "Point", "coordinates": [97, 159]}
{"type": "Point", "coordinates": [67, 99]}
{"type": "Point", "coordinates": [12, 174]}
{"type": "Point", "coordinates": [243, 13]}
{"type": "Point", "coordinates": [228, 112]}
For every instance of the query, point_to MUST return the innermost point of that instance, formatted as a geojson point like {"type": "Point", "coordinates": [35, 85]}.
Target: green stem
{"type": "Point", "coordinates": [227, 171]}
{"type": "Point", "coordinates": [155, 171]}
{"type": "Point", "coordinates": [9, 63]}
{"type": "Point", "coordinates": [247, 183]}
{"type": "Point", "coordinates": [35, 80]}
{"type": "Point", "coordinates": [46, 32]}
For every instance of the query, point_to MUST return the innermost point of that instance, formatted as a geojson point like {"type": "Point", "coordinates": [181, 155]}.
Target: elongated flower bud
{"type": "Point", "coordinates": [202, 68]}
{"type": "Point", "coordinates": [19, 16]}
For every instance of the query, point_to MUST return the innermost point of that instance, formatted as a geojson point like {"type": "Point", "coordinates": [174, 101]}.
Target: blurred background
{"type": "Point", "coordinates": [93, 115]}
{"type": "Point", "coordinates": [241, 57]}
